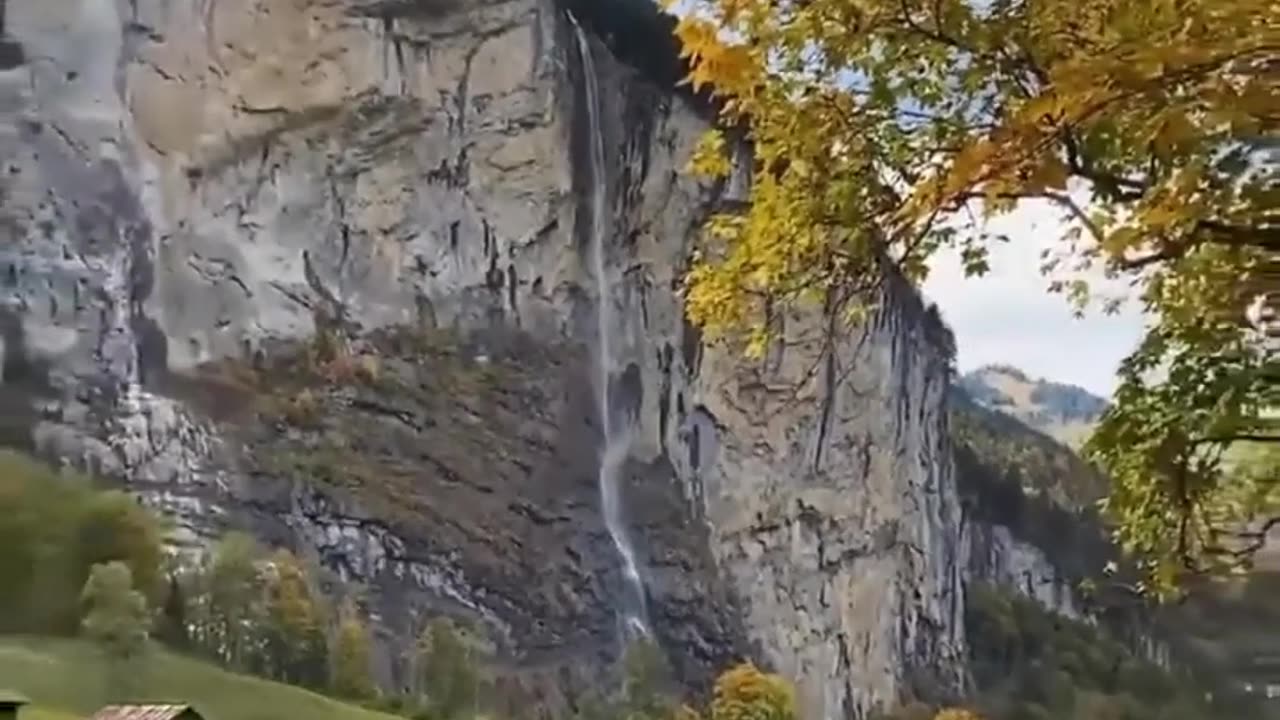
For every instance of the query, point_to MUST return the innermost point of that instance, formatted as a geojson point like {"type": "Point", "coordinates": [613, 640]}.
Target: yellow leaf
{"type": "Point", "coordinates": [1051, 174]}
{"type": "Point", "coordinates": [1174, 130]}
{"type": "Point", "coordinates": [709, 156]}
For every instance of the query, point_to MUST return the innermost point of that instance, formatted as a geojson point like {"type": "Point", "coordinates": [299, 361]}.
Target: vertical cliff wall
{"type": "Point", "coordinates": [831, 502]}
{"type": "Point", "coordinates": [193, 190]}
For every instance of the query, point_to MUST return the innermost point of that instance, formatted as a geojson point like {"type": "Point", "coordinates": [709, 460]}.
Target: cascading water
{"type": "Point", "coordinates": [616, 429]}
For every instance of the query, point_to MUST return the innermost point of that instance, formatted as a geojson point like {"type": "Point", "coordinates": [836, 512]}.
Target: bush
{"type": "Point", "coordinates": [957, 714]}
{"type": "Point", "coordinates": [54, 528]}
{"type": "Point", "coordinates": [746, 693]}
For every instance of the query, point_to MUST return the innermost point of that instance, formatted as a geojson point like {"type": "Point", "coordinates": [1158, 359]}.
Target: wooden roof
{"type": "Point", "coordinates": [142, 712]}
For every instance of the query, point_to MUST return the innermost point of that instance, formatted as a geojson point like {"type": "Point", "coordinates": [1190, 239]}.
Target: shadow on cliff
{"type": "Point", "coordinates": [639, 34]}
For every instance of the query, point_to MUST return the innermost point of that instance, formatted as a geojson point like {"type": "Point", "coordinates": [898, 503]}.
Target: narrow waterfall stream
{"type": "Point", "coordinates": [616, 428]}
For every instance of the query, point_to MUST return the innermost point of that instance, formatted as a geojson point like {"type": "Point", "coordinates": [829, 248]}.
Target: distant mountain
{"type": "Point", "coordinates": [1003, 447]}
{"type": "Point", "coordinates": [1065, 412]}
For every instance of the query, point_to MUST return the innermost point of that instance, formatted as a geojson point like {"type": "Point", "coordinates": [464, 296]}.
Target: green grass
{"type": "Point", "coordinates": [68, 679]}
{"type": "Point", "coordinates": [39, 712]}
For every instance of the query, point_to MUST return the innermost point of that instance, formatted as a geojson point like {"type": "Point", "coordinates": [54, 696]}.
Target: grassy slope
{"type": "Point", "coordinates": [43, 713]}
{"type": "Point", "coordinates": [70, 679]}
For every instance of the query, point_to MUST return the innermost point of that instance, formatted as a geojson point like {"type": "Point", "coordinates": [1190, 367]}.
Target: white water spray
{"type": "Point", "coordinates": [616, 430]}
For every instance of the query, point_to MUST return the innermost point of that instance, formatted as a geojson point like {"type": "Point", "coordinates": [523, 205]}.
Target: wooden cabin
{"type": "Point", "coordinates": [147, 712]}
{"type": "Point", "coordinates": [10, 704]}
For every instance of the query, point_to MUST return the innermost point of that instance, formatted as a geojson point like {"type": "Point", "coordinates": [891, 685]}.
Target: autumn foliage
{"type": "Point", "coordinates": [885, 131]}
{"type": "Point", "coordinates": [746, 693]}
{"type": "Point", "coordinates": [957, 714]}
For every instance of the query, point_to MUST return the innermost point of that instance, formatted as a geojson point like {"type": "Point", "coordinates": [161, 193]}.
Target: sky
{"type": "Point", "coordinates": [1009, 317]}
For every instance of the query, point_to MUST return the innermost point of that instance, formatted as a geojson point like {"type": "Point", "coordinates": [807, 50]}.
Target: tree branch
{"type": "Point", "coordinates": [1077, 212]}
{"type": "Point", "coordinates": [1242, 437]}
{"type": "Point", "coordinates": [1215, 232]}
{"type": "Point", "coordinates": [1164, 255]}
{"type": "Point", "coordinates": [1266, 237]}
{"type": "Point", "coordinates": [1256, 540]}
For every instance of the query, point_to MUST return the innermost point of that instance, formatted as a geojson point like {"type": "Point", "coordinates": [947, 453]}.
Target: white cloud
{"type": "Point", "coordinates": [1008, 316]}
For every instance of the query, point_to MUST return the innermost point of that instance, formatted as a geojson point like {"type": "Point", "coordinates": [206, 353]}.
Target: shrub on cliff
{"type": "Point", "coordinates": [1030, 664]}
{"type": "Point", "coordinates": [637, 32]}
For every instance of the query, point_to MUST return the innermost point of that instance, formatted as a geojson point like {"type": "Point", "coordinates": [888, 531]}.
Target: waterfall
{"type": "Point", "coordinates": [616, 429]}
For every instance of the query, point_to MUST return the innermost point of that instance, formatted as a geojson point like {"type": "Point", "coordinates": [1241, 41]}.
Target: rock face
{"type": "Point", "coordinates": [1000, 558]}
{"type": "Point", "coordinates": [835, 508]}
{"type": "Point", "coordinates": [198, 193]}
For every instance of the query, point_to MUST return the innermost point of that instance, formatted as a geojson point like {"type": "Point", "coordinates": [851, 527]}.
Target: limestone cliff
{"type": "Point", "coordinates": [200, 197]}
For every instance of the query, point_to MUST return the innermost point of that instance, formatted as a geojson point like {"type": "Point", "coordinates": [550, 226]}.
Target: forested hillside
{"type": "Point", "coordinates": [1030, 664]}
{"type": "Point", "coordinates": [1220, 630]}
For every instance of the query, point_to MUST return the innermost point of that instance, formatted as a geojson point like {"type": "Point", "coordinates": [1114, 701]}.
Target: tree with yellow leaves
{"type": "Point", "coordinates": [294, 622]}
{"type": "Point", "coordinates": [745, 692]}
{"type": "Point", "coordinates": [883, 131]}
{"type": "Point", "coordinates": [957, 714]}
{"type": "Point", "coordinates": [350, 657]}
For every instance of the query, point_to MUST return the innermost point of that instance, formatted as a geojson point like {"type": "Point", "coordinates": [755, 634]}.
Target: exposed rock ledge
{"type": "Point", "coordinates": [190, 185]}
